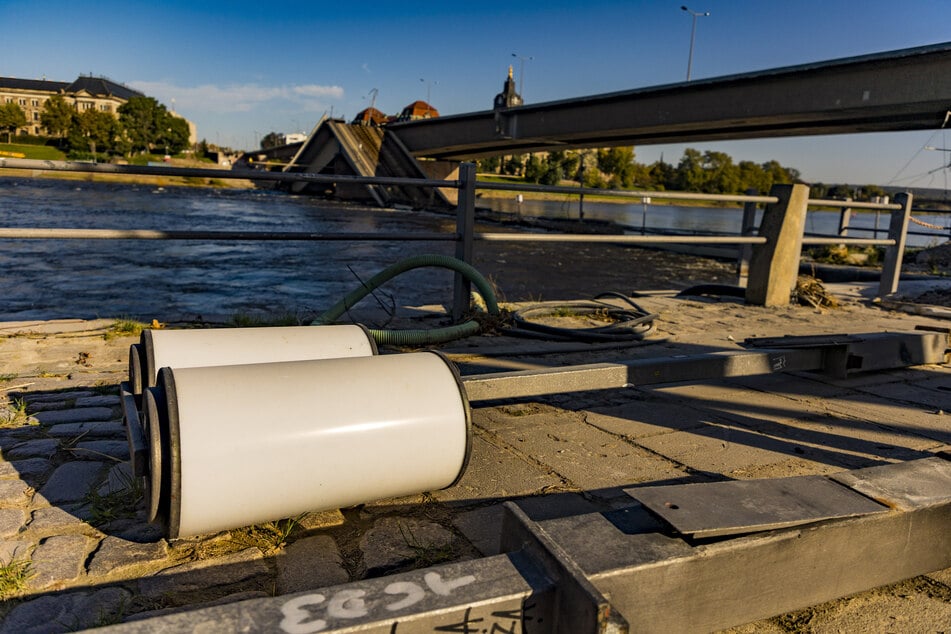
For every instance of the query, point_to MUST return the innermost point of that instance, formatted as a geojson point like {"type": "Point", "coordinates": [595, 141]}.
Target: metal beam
{"type": "Point", "coordinates": [628, 570]}
{"type": "Point", "coordinates": [908, 89]}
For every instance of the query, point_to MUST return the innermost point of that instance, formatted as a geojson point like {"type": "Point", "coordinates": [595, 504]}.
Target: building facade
{"type": "Point", "coordinates": [85, 93]}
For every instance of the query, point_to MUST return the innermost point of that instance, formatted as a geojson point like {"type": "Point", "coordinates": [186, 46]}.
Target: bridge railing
{"type": "Point", "coordinates": [772, 248]}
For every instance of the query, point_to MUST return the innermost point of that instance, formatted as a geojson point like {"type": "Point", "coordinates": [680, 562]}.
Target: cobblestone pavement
{"type": "Point", "coordinates": [76, 551]}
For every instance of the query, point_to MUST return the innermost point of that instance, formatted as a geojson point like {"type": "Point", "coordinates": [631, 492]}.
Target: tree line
{"type": "Point", "coordinates": [616, 168]}
{"type": "Point", "coordinates": [143, 125]}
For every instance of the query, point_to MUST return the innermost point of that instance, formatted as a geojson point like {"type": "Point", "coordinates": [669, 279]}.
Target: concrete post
{"type": "Point", "coordinates": [845, 217]}
{"type": "Point", "coordinates": [774, 266]}
{"type": "Point", "coordinates": [897, 231]}
{"type": "Point", "coordinates": [465, 221]}
{"type": "Point", "coordinates": [747, 228]}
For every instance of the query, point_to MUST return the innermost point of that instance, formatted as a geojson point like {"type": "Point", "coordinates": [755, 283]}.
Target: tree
{"type": "Point", "coordinates": [57, 116]}
{"type": "Point", "coordinates": [690, 175]}
{"type": "Point", "coordinates": [722, 176]}
{"type": "Point", "coordinates": [272, 139]}
{"type": "Point", "coordinates": [12, 118]}
{"type": "Point", "coordinates": [92, 131]}
{"type": "Point", "coordinates": [173, 134]}
{"type": "Point", "coordinates": [534, 169]}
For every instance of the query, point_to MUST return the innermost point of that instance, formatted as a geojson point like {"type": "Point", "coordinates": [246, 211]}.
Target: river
{"type": "Point", "coordinates": [214, 281]}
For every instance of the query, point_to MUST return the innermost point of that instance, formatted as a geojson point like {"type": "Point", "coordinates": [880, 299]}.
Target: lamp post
{"type": "Point", "coordinates": [521, 72]}
{"type": "Point", "coordinates": [429, 87]}
{"type": "Point", "coordinates": [693, 34]}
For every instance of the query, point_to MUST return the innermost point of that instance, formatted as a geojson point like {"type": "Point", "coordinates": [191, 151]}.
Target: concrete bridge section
{"type": "Point", "coordinates": [907, 89]}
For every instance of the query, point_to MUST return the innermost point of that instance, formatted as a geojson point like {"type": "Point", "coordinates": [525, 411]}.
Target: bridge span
{"type": "Point", "coordinates": [908, 89]}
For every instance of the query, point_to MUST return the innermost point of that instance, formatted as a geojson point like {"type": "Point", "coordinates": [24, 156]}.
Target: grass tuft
{"type": "Point", "coordinates": [13, 577]}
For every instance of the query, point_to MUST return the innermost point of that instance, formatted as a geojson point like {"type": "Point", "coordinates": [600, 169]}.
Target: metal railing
{"type": "Point", "coordinates": [465, 235]}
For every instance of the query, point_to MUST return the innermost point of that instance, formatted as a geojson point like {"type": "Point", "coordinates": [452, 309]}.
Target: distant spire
{"type": "Point", "coordinates": [510, 72]}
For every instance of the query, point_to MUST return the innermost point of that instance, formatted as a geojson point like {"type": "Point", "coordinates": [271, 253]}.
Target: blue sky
{"type": "Point", "coordinates": [241, 69]}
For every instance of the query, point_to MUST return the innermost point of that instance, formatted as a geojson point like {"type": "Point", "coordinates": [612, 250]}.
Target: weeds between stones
{"type": "Point", "coordinates": [13, 577]}
{"type": "Point", "coordinates": [123, 503]}
{"type": "Point", "coordinates": [14, 416]}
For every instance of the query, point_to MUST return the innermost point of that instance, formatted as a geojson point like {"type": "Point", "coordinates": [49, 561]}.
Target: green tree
{"type": "Point", "coordinates": [534, 169]}
{"type": "Point", "coordinates": [271, 139]}
{"type": "Point", "coordinates": [489, 164]}
{"type": "Point", "coordinates": [173, 134]}
{"type": "Point", "coordinates": [12, 118]}
{"type": "Point", "coordinates": [721, 175]}
{"type": "Point", "coordinates": [690, 174]}
{"type": "Point", "coordinates": [139, 118]}
{"type": "Point", "coordinates": [57, 116]}
{"type": "Point", "coordinates": [94, 132]}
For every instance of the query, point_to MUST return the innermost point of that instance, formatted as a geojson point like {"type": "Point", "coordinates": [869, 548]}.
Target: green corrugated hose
{"type": "Point", "coordinates": [416, 337]}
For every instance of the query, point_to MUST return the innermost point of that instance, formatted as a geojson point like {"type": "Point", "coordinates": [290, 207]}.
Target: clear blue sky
{"type": "Point", "coordinates": [241, 69]}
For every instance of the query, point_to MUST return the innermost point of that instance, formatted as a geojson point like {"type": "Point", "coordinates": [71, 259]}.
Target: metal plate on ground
{"type": "Point", "coordinates": [746, 506]}
{"type": "Point", "coordinates": [905, 486]}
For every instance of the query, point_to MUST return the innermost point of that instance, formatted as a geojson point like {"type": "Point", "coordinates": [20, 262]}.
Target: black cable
{"type": "Point", "coordinates": [630, 323]}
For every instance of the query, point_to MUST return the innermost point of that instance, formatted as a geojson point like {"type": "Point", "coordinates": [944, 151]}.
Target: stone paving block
{"type": "Point", "coordinates": [640, 419]}
{"type": "Point", "coordinates": [39, 448]}
{"type": "Point", "coordinates": [14, 492]}
{"type": "Point", "coordinates": [398, 541]}
{"type": "Point", "coordinates": [58, 397]}
{"type": "Point", "coordinates": [58, 560]}
{"type": "Point", "coordinates": [119, 479]}
{"type": "Point", "coordinates": [215, 573]}
{"type": "Point", "coordinates": [14, 550]}
{"type": "Point", "coordinates": [54, 519]}
{"type": "Point", "coordinates": [803, 386]}
{"type": "Point", "coordinates": [310, 563]}
{"type": "Point", "coordinates": [721, 449]}
{"type": "Point", "coordinates": [105, 429]}
{"type": "Point", "coordinates": [321, 519]}
{"type": "Point", "coordinates": [588, 457]}
{"type": "Point", "coordinates": [24, 468]}
{"type": "Point", "coordinates": [846, 441]}
{"type": "Point", "coordinates": [908, 419]}
{"type": "Point", "coordinates": [738, 403]}
{"type": "Point", "coordinates": [116, 556]}
{"type": "Point", "coordinates": [482, 527]}
{"type": "Point", "coordinates": [66, 612]}
{"type": "Point", "coordinates": [494, 472]}
{"type": "Point", "coordinates": [554, 505]}
{"type": "Point", "coordinates": [98, 400]}
{"type": "Point", "coordinates": [915, 394]}
{"type": "Point", "coordinates": [11, 521]}
{"type": "Point", "coordinates": [75, 415]}
{"type": "Point", "coordinates": [99, 449]}
{"type": "Point", "coordinates": [72, 481]}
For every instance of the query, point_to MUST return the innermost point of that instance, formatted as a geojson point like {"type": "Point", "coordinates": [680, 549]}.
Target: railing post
{"type": "Point", "coordinates": [774, 266]}
{"type": "Point", "coordinates": [897, 231]}
{"type": "Point", "coordinates": [747, 228]}
{"type": "Point", "coordinates": [845, 216]}
{"type": "Point", "coordinates": [465, 221]}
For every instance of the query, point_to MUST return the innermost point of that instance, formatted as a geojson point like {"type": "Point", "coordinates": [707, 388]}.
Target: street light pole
{"type": "Point", "coordinates": [693, 34]}
{"type": "Point", "coordinates": [521, 72]}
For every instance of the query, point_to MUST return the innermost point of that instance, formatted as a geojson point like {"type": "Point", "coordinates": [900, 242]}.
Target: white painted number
{"type": "Point", "coordinates": [414, 594]}
{"type": "Point", "coordinates": [297, 620]}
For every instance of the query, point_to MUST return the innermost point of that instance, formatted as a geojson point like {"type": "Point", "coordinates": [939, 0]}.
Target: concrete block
{"type": "Point", "coordinates": [496, 472]}
{"type": "Point", "coordinates": [588, 457]}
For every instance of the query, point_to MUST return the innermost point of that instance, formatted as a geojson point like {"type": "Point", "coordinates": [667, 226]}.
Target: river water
{"type": "Point", "coordinates": [213, 281]}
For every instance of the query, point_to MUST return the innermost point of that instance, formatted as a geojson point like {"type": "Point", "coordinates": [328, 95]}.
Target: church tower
{"type": "Point", "coordinates": [508, 98]}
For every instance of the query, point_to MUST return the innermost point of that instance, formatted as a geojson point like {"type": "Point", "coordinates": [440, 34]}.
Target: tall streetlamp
{"type": "Point", "coordinates": [693, 34]}
{"type": "Point", "coordinates": [429, 87]}
{"type": "Point", "coordinates": [521, 72]}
